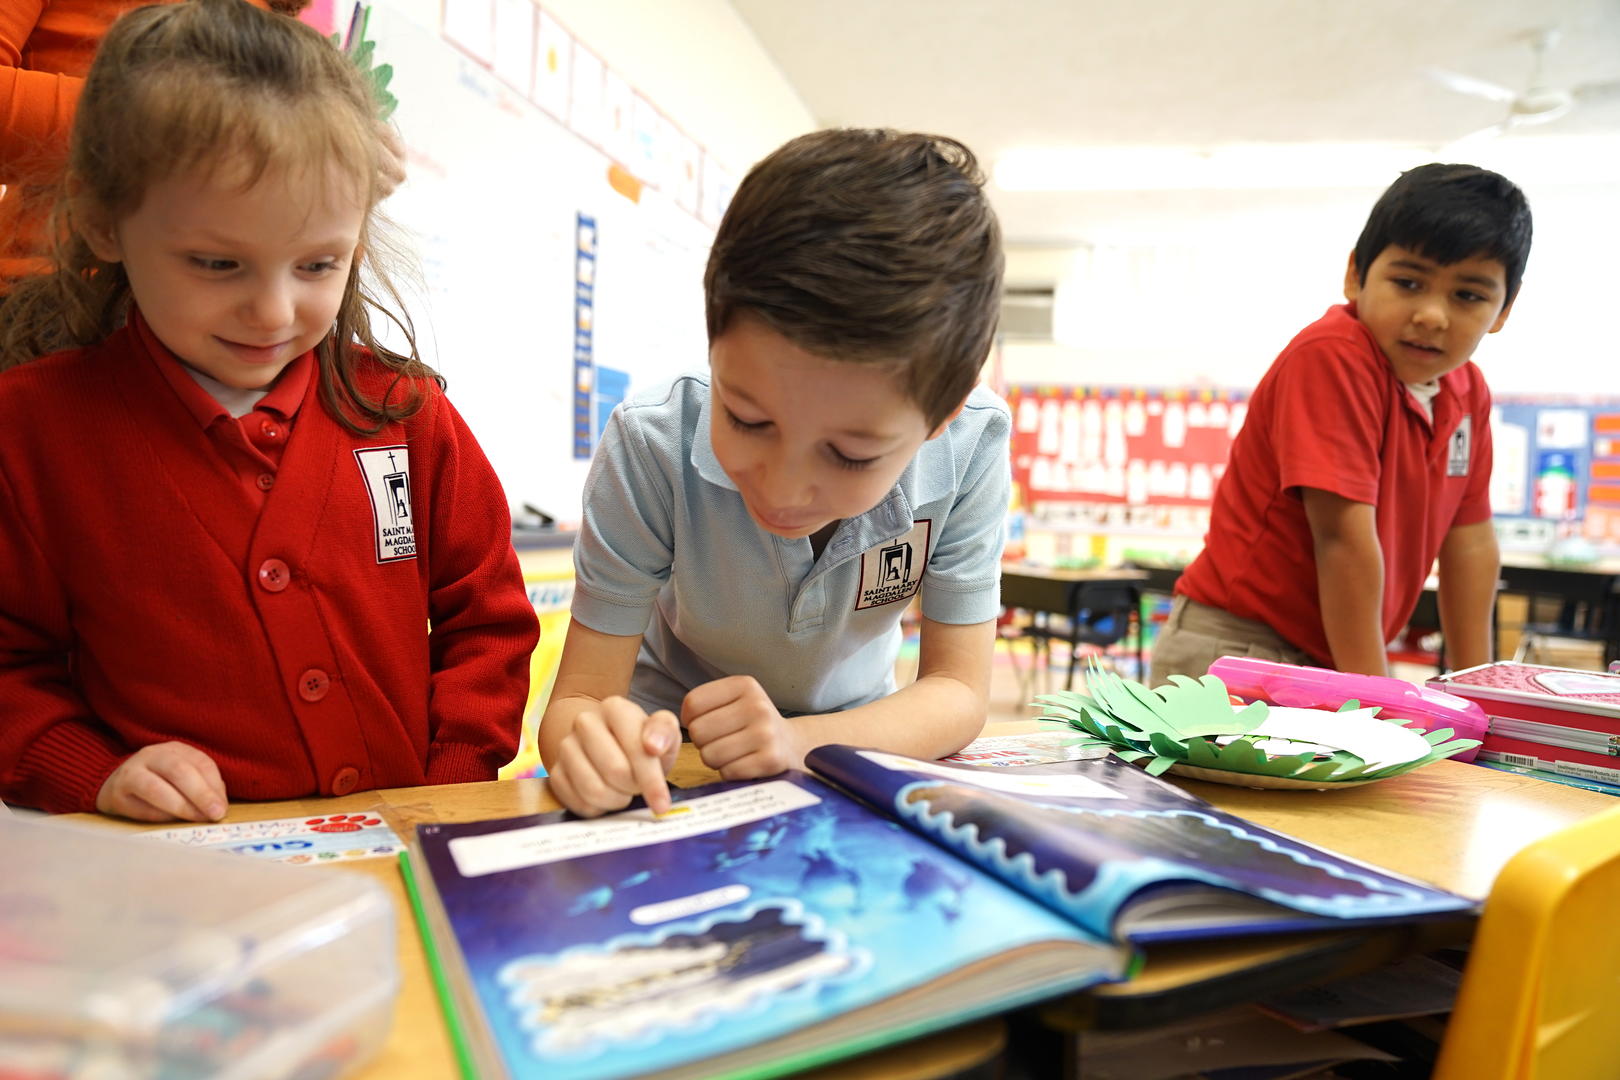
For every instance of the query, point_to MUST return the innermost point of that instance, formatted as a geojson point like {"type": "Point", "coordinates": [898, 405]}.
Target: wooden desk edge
{"type": "Point", "coordinates": [418, 1046]}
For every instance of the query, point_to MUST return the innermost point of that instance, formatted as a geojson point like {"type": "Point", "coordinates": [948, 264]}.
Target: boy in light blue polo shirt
{"type": "Point", "coordinates": [752, 535]}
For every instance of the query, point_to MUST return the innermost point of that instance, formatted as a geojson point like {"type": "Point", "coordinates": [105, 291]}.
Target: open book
{"type": "Point", "coordinates": [761, 927]}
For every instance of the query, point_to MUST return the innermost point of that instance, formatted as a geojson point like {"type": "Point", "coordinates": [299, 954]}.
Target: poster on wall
{"type": "Point", "coordinates": [645, 122]}
{"type": "Point", "coordinates": [584, 320]}
{"type": "Point", "coordinates": [1603, 495]}
{"type": "Point", "coordinates": [688, 159]}
{"type": "Point", "coordinates": [537, 325]}
{"type": "Point", "coordinates": [585, 114]}
{"type": "Point", "coordinates": [618, 109]}
{"type": "Point", "coordinates": [513, 58]}
{"type": "Point", "coordinates": [553, 67]}
{"type": "Point", "coordinates": [1128, 457]}
{"type": "Point", "coordinates": [470, 24]}
{"type": "Point", "coordinates": [1556, 470]}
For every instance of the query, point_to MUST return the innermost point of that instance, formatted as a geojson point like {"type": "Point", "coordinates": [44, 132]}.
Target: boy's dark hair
{"type": "Point", "coordinates": [1449, 213]}
{"type": "Point", "coordinates": [869, 246]}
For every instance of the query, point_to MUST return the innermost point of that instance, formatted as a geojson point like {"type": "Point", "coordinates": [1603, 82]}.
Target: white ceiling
{"type": "Point", "coordinates": [1192, 73]}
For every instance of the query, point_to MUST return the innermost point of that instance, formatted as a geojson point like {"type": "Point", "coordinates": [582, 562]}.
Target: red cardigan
{"type": "Point", "coordinates": [144, 597]}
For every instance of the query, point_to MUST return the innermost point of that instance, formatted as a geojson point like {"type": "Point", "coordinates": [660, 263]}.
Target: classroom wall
{"type": "Point", "coordinates": [492, 211]}
{"type": "Point", "coordinates": [702, 63]}
{"type": "Point", "coordinates": [1210, 302]}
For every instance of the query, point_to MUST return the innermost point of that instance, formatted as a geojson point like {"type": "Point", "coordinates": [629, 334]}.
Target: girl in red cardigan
{"type": "Point", "coordinates": [225, 508]}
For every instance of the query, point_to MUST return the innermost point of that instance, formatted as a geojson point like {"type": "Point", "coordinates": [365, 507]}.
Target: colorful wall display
{"type": "Point", "coordinates": [1140, 459]}
{"type": "Point", "coordinates": [1557, 467]}
{"type": "Point", "coordinates": [1126, 457]}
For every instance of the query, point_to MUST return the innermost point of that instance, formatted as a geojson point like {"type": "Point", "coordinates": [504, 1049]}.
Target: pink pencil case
{"type": "Point", "coordinates": [1320, 688]}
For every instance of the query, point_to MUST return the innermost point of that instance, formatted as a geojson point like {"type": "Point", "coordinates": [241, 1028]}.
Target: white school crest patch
{"type": "Point", "coordinates": [893, 570]}
{"type": "Point", "coordinates": [387, 472]}
{"type": "Point", "coordinates": [1461, 448]}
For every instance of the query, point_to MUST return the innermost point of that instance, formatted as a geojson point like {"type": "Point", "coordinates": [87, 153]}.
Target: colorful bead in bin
{"type": "Point", "coordinates": [128, 960]}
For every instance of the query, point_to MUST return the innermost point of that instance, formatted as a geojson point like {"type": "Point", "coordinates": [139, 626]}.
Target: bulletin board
{"type": "Point", "coordinates": [560, 222]}
{"type": "Point", "coordinates": [1148, 459]}
{"type": "Point", "coordinates": [1125, 456]}
{"type": "Point", "coordinates": [1557, 462]}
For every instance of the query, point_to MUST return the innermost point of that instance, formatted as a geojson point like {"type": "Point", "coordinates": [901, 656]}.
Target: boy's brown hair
{"type": "Point", "coordinates": [867, 246]}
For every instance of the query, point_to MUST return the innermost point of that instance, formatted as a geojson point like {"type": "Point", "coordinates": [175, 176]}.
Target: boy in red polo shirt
{"type": "Point", "coordinates": [1367, 450]}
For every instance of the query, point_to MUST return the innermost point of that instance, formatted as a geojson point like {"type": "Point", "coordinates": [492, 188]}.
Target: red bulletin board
{"type": "Point", "coordinates": [1122, 445]}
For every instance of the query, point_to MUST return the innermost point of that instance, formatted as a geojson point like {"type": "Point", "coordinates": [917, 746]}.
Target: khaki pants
{"type": "Point", "coordinates": [1196, 635]}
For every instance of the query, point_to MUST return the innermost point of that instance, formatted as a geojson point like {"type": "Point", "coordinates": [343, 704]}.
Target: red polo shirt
{"type": "Point", "coordinates": [1330, 414]}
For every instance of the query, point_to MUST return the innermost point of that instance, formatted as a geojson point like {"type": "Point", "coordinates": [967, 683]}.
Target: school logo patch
{"type": "Point", "coordinates": [1461, 448]}
{"type": "Point", "coordinates": [892, 571]}
{"type": "Point", "coordinates": [387, 473]}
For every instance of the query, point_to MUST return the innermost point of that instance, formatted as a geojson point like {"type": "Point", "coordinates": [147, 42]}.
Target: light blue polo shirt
{"type": "Point", "coordinates": [666, 549]}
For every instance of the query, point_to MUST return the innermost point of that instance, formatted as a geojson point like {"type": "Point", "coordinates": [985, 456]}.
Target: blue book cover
{"type": "Point", "coordinates": [754, 929]}
{"type": "Point", "coordinates": [761, 927]}
{"type": "Point", "coordinates": [1126, 855]}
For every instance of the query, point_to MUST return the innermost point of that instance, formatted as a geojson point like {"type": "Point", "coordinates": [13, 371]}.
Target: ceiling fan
{"type": "Point", "coordinates": [1539, 103]}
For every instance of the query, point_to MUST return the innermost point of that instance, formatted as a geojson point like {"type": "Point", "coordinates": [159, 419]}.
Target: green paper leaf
{"type": "Point", "coordinates": [362, 52]}
{"type": "Point", "coordinates": [1350, 706]}
{"type": "Point", "coordinates": [1106, 733]}
{"type": "Point", "coordinates": [1182, 709]}
{"type": "Point", "coordinates": [1124, 707]}
{"type": "Point", "coordinates": [1165, 746]}
{"type": "Point", "coordinates": [1240, 755]}
{"type": "Point", "coordinates": [1455, 746]}
{"type": "Point", "coordinates": [1179, 722]}
{"type": "Point", "coordinates": [1440, 753]}
{"type": "Point", "coordinates": [1203, 753]}
{"type": "Point", "coordinates": [1203, 707]}
{"type": "Point", "coordinates": [1288, 764]}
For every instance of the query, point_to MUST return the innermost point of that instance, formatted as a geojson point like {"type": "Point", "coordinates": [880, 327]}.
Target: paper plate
{"type": "Point", "coordinates": [1253, 780]}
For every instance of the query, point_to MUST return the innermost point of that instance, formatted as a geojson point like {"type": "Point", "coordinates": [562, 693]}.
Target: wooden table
{"type": "Point", "coordinates": [1447, 824]}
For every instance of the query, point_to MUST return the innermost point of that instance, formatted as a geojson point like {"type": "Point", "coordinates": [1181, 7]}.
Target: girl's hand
{"type": "Point", "coordinates": [165, 782]}
{"type": "Point", "coordinates": [738, 731]}
{"type": "Point", "coordinates": [613, 754]}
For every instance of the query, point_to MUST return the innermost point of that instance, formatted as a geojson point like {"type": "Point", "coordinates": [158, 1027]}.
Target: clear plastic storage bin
{"type": "Point", "coordinates": [131, 959]}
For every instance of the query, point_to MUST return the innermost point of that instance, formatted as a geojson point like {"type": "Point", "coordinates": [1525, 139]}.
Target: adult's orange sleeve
{"type": "Point", "coordinates": [36, 107]}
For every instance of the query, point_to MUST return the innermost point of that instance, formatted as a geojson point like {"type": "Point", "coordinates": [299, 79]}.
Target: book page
{"type": "Point", "coordinates": [632, 943]}
{"type": "Point", "coordinates": [1089, 838]}
{"type": "Point", "coordinates": [541, 844]}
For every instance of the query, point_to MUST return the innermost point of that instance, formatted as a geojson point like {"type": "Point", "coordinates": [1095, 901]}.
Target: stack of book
{"type": "Point", "coordinates": [1561, 724]}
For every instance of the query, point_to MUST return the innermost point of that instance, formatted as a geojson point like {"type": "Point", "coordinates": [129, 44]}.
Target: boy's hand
{"type": "Point", "coordinates": [613, 754]}
{"type": "Point", "coordinates": [737, 730]}
{"type": "Point", "coordinates": [165, 782]}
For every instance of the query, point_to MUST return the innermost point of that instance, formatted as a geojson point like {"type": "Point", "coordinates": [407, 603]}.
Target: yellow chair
{"type": "Point", "coordinates": [1540, 997]}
